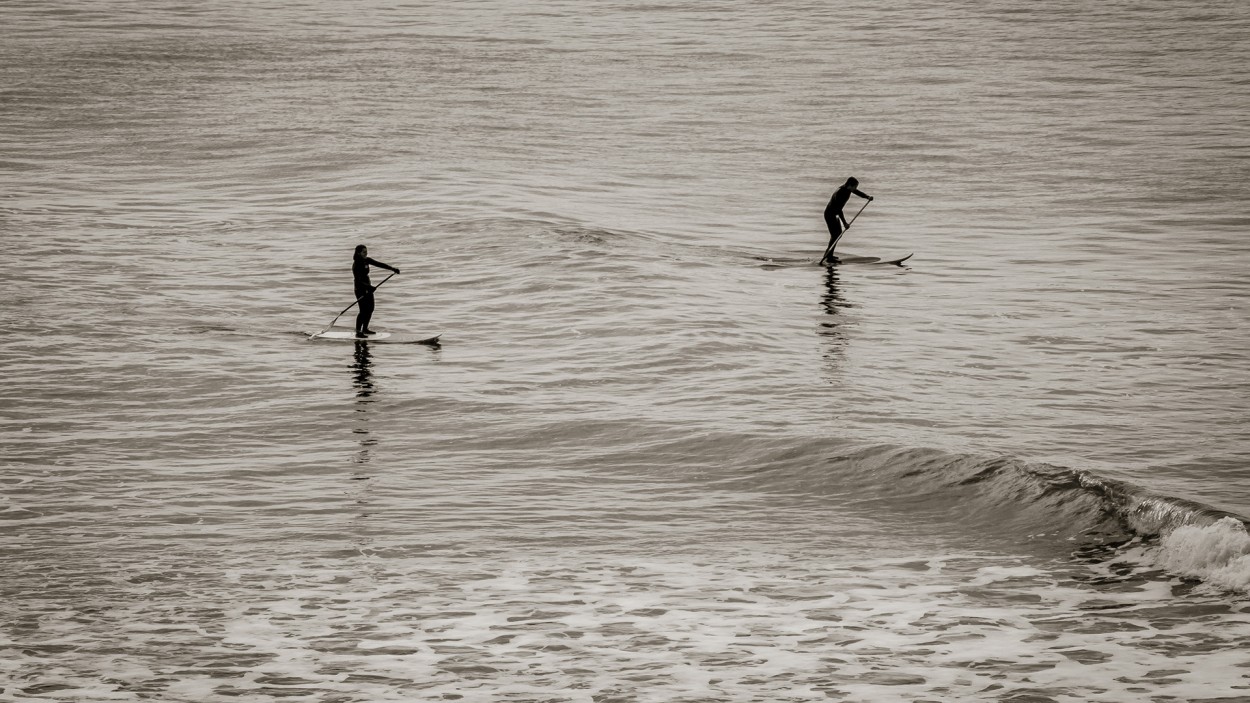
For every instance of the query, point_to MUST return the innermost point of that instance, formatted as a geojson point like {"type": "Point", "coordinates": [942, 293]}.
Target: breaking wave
{"type": "Point", "coordinates": [1015, 499]}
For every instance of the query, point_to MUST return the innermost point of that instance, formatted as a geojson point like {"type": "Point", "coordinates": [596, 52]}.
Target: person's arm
{"type": "Point", "coordinates": [862, 195]}
{"type": "Point", "coordinates": [374, 262]}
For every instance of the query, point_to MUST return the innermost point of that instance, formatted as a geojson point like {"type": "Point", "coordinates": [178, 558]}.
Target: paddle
{"type": "Point", "coordinates": [825, 259]}
{"type": "Point", "coordinates": [357, 300]}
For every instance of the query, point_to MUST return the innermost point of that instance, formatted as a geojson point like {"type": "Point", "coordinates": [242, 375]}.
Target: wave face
{"type": "Point", "coordinates": [1194, 540]}
{"type": "Point", "coordinates": [1009, 500]}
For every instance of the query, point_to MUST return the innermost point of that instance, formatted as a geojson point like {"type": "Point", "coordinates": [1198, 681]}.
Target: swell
{"type": "Point", "coordinates": [1015, 500]}
{"type": "Point", "coordinates": [991, 497]}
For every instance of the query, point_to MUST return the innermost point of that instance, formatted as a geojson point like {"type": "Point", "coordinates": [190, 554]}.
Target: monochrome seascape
{"type": "Point", "coordinates": [660, 454]}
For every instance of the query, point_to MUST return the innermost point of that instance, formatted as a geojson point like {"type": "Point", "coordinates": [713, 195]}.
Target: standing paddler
{"type": "Point", "coordinates": [834, 219]}
{"type": "Point", "coordinates": [364, 289]}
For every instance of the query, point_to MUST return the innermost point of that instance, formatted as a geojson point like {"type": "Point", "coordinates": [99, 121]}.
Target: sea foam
{"type": "Point", "coordinates": [1218, 553]}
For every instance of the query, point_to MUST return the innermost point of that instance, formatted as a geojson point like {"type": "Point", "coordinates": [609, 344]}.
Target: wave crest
{"type": "Point", "coordinates": [1018, 500]}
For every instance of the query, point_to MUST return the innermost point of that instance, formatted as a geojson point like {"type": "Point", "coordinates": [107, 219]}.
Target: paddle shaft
{"type": "Point", "coordinates": [829, 250]}
{"type": "Point", "coordinates": [861, 209]}
{"type": "Point", "coordinates": [357, 300]}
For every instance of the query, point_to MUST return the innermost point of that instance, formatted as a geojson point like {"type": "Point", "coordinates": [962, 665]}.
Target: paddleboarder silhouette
{"type": "Point", "coordinates": [364, 289]}
{"type": "Point", "coordinates": [834, 219]}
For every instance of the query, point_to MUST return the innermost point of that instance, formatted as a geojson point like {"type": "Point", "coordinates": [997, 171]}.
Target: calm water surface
{"type": "Point", "coordinates": [659, 455]}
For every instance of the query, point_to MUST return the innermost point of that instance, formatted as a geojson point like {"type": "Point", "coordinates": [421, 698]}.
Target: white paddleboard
{"type": "Point", "coordinates": [346, 335]}
{"type": "Point", "coordinates": [838, 259]}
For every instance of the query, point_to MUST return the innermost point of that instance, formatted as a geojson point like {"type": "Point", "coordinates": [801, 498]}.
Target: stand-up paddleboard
{"type": "Point", "coordinates": [852, 259]}
{"type": "Point", "coordinates": [347, 335]}
{"type": "Point", "coordinates": [780, 263]}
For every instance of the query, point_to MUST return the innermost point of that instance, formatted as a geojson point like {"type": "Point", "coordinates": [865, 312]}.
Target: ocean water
{"type": "Point", "coordinates": [659, 454]}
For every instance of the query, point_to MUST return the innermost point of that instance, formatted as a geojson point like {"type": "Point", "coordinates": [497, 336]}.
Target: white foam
{"type": "Point", "coordinates": [599, 626]}
{"type": "Point", "coordinates": [1219, 553]}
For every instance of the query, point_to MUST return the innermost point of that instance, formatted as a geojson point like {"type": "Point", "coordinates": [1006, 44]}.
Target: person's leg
{"type": "Point", "coordinates": [366, 312]}
{"type": "Point", "coordinates": [835, 232]}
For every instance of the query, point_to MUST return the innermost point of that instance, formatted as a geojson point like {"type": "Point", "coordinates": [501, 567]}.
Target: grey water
{"type": "Point", "coordinates": [659, 454]}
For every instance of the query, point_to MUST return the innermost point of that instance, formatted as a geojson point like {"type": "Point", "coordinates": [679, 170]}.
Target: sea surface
{"type": "Point", "coordinates": [659, 455]}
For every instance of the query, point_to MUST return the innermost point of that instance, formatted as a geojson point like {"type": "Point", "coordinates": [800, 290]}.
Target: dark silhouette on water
{"type": "Point", "coordinates": [834, 219]}
{"type": "Point", "coordinates": [364, 289]}
{"type": "Point", "coordinates": [362, 379]}
{"type": "Point", "coordinates": [832, 300]}
{"type": "Point", "coordinates": [830, 327]}
{"type": "Point", "coordinates": [362, 376]}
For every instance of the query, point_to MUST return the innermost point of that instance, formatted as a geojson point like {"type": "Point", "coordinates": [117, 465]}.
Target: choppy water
{"type": "Point", "coordinates": [659, 456]}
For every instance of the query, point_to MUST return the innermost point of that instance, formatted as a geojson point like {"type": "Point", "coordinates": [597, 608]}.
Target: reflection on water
{"type": "Point", "coordinates": [833, 303]}
{"type": "Point", "coordinates": [362, 379]}
{"type": "Point", "coordinates": [362, 376]}
{"type": "Point", "coordinates": [832, 299]}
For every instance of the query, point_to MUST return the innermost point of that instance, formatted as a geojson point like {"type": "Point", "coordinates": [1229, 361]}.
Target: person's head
{"type": "Point", "coordinates": [852, 182]}
{"type": "Point", "coordinates": [361, 251]}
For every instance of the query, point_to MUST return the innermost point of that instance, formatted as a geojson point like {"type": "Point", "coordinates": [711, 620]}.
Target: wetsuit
{"type": "Point", "coordinates": [364, 290]}
{"type": "Point", "coordinates": [834, 209]}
